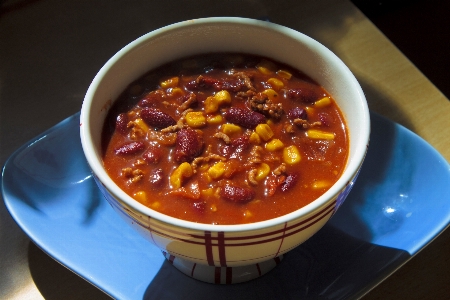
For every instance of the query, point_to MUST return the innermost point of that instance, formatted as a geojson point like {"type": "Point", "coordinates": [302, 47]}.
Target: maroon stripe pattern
{"type": "Point", "coordinates": [225, 249]}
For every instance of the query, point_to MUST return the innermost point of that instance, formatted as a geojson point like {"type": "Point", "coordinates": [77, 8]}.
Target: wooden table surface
{"type": "Point", "coordinates": [50, 50]}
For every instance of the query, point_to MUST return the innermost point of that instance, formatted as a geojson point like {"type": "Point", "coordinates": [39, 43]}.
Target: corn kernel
{"type": "Point", "coordinates": [217, 170]}
{"type": "Point", "coordinates": [207, 192]}
{"type": "Point", "coordinates": [169, 83]}
{"type": "Point", "coordinates": [248, 214]}
{"type": "Point", "coordinates": [264, 131]}
{"type": "Point", "coordinates": [223, 97]}
{"type": "Point", "coordinates": [262, 171]}
{"type": "Point", "coordinates": [266, 67]}
{"type": "Point", "coordinates": [291, 155]}
{"type": "Point", "coordinates": [213, 208]}
{"type": "Point", "coordinates": [319, 135]}
{"type": "Point", "coordinates": [271, 94]}
{"type": "Point", "coordinates": [274, 145]}
{"type": "Point", "coordinates": [254, 138]}
{"type": "Point", "coordinates": [195, 119]}
{"type": "Point", "coordinates": [322, 102]}
{"type": "Point", "coordinates": [321, 184]}
{"type": "Point", "coordinates": [141, 124]}
{"type": "Point", "coordinates": [229, 128]}
{"type": "Point", "coordinates": [211, 105]}
{"type": "Point", "coordinates": [140, 196]}
{"type": "Point", "coordinates": [275, 83]}
{"type": "Point", "coordinates": [155, 205]}
{"type": "Point", "coordinates": [176, 92]}
{"type": "Point", "coordinates": [284, 74]}
{"type": "Point", "coordinates": [183, 171]}
{"type": "Point", "coordinates": [214, 120]}
{"type": "Point", "coordinates": [310, 110]}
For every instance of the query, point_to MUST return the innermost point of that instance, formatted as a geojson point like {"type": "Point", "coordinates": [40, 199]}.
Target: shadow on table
{"type": "Point", "coordinates": [328, 266]}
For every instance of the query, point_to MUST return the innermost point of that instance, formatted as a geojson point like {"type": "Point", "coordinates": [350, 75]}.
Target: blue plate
{"type": "Point", "coordinates": [399, 203]}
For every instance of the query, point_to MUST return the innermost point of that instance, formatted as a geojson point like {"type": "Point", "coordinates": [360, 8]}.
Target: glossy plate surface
{"type": "Point", "coordinates": [399, 203]}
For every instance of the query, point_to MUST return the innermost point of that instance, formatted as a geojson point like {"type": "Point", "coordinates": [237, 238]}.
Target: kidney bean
{"type": "Point", "coordinates": [156, 177]}
{"type": "Point", "coordinates": [289, 182]}
{"type": "Point", "coordinates": [157, 118]}
{"type": "Point", "coordinates": [148, 101]}
{"type": "Point", "coordinates": [152, 155]}
{"type": "Point", "coordinates": [307, 95]}
{"type": "Point", "coordinates": [325, 119]}
{"type": "Point", "coordinates": [199, 206]}
{"type": "Point", "coordinates": [130, 148]}
{"type": "Point", "coordinates": [244, 117]}
{"type": "Point", "coordinates": [188, 145]}
{"type": "Point", "coordinates": [237, 194]}
{"type": "Point", "coordinates": [297, 113]}
{"type": "Point", "coordinates": [121, 123]}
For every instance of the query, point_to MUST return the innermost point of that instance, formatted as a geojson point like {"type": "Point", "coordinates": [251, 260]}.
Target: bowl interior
{"type": "Point", "coordinates": [225, 35]}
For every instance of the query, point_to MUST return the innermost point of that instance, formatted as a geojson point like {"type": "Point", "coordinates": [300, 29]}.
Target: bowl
{"type": "Point", "coordinates": [225, 253]}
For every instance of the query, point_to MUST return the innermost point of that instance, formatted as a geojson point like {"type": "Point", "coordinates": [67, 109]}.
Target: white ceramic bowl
{"type": "Point", "coordinates": [200, 250]}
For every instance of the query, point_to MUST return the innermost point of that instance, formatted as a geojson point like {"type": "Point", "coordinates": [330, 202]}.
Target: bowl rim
{"type": "Point", "coordinates": [353, 163]}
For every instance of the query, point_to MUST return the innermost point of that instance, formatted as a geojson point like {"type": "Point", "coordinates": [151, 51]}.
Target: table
{"type": "Point", "coordinates": [50, 50]}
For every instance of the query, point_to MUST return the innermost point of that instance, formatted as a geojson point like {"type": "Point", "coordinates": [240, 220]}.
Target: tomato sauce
{"type": "Point", "coordinates": [225, 138]}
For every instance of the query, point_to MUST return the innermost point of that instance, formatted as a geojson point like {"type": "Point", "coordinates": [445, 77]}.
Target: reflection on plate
{"type": "Point", "coordinates": [398, 204]}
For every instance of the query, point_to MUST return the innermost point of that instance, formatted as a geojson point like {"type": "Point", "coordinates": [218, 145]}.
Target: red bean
{"type": "Point", "coordinates": [199, 206]}
{"type": "Point", "coordinates": [130, 148]}
{"type": "Point", "coordinates": [297, 113]}
{"type": "Point", "coordinates": [307, 94]}
{"type": "Point", "coordinates": [156, 177]}
{"type": "Point", "coordinates": [152, 155]}
{"type": "Point", "coordinates": [236, 193]}
{"type": "Point", "coordinates": [157, 118]}
{"type": "Point", "coordinates": [121, 123]}
{"type": "Point", "coordinates": [289, 182]}
{"type": "Point", "coordinates": [325, 119]}
{"type": "Point", "coordinates": [188, 145]}
{"type": "Point", "coordinates": [244, 117]}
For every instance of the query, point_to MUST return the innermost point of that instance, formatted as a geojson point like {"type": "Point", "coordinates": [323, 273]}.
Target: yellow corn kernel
{"type": "Point", "coordinates": [195, 119]}
{"type": "Point", "coordinates": [291, 155]}
{"type": "Point", "coordinates": [207, 192]}
{"type": "Point", "coordinates": [275, 83]}
{"type": "Point", "coordinates": [217, 170]}
{"type": "Point", "coordinates": [319, 134]}
{"type": "Point", "coordinates": [266, 67]}
{"type": "Point", "coordinates": [310, 110]}
{"type": "Point", "coordinates": [141, 124]}
{"type": "Point", "coordinates": [322, 102]}
{"type": "Point", "coordinates": [214, 120]}
{"type": "Point", "coordinates": [274, 145]}
{"type": "Point", "coordinates": [155, 205]}
{"type": "Point", "coordinates": [183, 171]}
{"type": "Point", "coordinates": [176, 92]}
{"type": "Point", "coordinates": [141, 197]}
{"type": "Point", "coordinates": [321, 184]}
{"type": "Point", "coordinates": [284, 74]}
{"type": "Point", "coordinates": [271, 94]}
{"type": "Point", "coordinates": [169, 83]}
{"type": "Point", "coordinates": [264, 131]}
{"type": "Point", "coordinates": [248, 214]}
{"type": "Point", "coordinates": [262, 171]}
{"type": "Point", "coordinates": [254, 138]}
{"type": "Point", "coordinates": [229, 128]}
{"type": "Point", "coordinates": [223, 97]}
{"type": "Point", "coordinates": [211, 105]}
